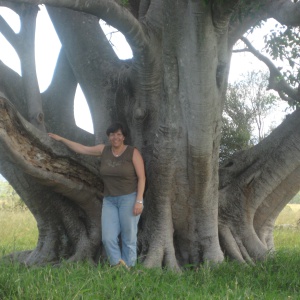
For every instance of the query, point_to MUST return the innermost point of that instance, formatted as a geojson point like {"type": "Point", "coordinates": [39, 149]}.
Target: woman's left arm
{"type": "Point", "coordinates": [139, 167]}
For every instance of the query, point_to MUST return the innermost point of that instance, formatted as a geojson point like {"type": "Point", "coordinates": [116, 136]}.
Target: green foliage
{"type": "Point", "coordinates": [236, 129]}
{"type": "Point", "coordinates": [246, 106]}
{"type": "Point", "coordinates": [9, 199]}
{"type": "Point", "coordinates": [245, 10]}
{"type": "Point", "coordinates": [124, 2]}
{"type": "Point", "coordinates": [283, 43]}
{"type": "Point", "coordinates": [296, 199]}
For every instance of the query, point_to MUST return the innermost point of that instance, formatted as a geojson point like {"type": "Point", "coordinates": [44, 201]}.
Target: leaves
{"type": "Point", "coordinates": [125, 2]}
{"type": "Point", "coordinates": [283, 43]}
{"type": "Point", "coordinates": [247, 104]}
{"type": "Point", "coordinates": [9, 199]}
{"type": "Point", "coordinates": [246, 9]}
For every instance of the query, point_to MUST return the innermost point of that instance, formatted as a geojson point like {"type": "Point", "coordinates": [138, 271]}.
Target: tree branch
{"type": "Point", "coordinates": [24, 43]}
{"type": "Point", "coordinates": [12, 87]}
{"type": "Point", "coordinates": [8, 33]}
{"type": "Point", "coordinates": [143, 8]}
{"type": "Point", "coordinates": [26, 53]}
{"type": "Point", "coordinates": [276, 80]}
{"type": "Point", "coordinates": [46, 160]}
{"type": "Point", "coordinates": [108, 10]}
{"type": "Point", "coordinates": [285, 12]}
{"type": "Point", "coordinates": [13, 6]}
{"type": "Point", "coordinates": [222, 10]}
{"type": "Point", "coordinates": [58, 99]}
{"type": "Point", "coordinates": [81, 49]}
{"type": "Point", "coordinates": [240, 50]}
{"type": "Point", "coordinates": [151, 14]}
{"type": "Point", "coordinates": [246, 15]}
{"type": "Point", "coordinates": [134, 7]}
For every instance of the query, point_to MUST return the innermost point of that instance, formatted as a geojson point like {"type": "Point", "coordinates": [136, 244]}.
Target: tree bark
{"type": "Point", "coordinates": [62, 191]}
{"type": "Point", "coordinates": [170, 96]}
{"type": "Point", "coordinates": [255, 185]}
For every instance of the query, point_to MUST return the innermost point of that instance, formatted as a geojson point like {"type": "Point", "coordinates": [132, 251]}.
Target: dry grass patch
{"type": "Point", "coordinates": [18, 231]}
{"type": "Point", "coordinates": [294, 207]}
{"type": "Point", "coordinates": [289, 216]}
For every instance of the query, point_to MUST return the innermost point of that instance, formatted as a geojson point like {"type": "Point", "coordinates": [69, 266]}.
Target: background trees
{"type": "Point", "coordinates": [9, 199]}
{"type": "Point", "coordinates": [247, 106]}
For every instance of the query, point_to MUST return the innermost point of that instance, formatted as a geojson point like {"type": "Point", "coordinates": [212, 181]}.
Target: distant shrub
{"type": "Point", "coordinates": [296, 199]}
{"type": "Point", "coordinates": [289, 216]}
{"type": "Point", "coordinates": [9, 199]}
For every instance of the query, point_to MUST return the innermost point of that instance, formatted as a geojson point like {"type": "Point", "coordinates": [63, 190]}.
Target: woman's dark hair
{"type": "Point", "coordinates": [115, 127]}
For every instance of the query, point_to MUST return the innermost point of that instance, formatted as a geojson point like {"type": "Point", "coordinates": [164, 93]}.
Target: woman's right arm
{"type": "Point", "coordinates": [79, 148]}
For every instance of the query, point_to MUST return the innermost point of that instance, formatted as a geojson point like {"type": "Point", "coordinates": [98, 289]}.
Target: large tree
{"type": "Point", "coordinates": [170, 95]}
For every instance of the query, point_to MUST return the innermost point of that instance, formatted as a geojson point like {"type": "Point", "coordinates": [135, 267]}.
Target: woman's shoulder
{"type": "Point", "coordinates": [106, 149]}
{"type": "Point", "coordinates": [129, 151]}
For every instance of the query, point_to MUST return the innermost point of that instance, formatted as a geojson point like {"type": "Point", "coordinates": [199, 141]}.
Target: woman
{"type": "Point", "coordinates": [123, 174]}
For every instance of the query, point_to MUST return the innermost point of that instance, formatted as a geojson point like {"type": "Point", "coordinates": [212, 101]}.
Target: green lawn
{"type": "Point", "coordinates": [276, 278]}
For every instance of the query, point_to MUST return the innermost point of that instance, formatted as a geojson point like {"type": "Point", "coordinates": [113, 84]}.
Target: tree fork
{"type": "Point", "coordinates": [71, 189]}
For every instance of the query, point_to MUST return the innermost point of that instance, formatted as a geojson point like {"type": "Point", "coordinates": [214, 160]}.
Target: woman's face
{"type": "Point", "coordinates": [116, 138]}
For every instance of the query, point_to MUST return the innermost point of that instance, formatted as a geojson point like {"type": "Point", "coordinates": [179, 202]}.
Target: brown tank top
{"type": "Point", "coordinates": [118, 173]}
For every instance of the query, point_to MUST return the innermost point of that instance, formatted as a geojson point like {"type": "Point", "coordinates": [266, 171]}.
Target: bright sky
{"type": "Point", "coordinates": [245, 62]}
{"type": "Point", "coordinates": [48, 45]}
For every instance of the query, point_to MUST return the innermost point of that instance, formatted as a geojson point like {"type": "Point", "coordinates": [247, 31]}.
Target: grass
{"type": "Point", "coordinates": [268, 280]}
{"type": "Point", "coordinates": [18, 231]}
{"type": "Point", "coordinates": [289, 215]}
{"type": "Point", "coordinates": [276, 278]}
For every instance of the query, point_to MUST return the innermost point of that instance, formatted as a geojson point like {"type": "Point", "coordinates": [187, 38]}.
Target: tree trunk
{"type": "Point", "coordinates": [183, 176]}
{"type": "Point", "coordinates": [170, 97]}
{"type": "Point", "coordinates": [255, 185]}
{"type": "Point", "coordinates": [62, 191]}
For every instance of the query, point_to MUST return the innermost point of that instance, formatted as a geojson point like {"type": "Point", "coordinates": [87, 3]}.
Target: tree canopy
{"type": "Point", "coordinates": [247, 105]}
{"type": "Point", "coordinates": [170, 96]}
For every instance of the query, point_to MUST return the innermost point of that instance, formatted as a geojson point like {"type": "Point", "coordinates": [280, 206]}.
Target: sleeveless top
{"type": "Point", "coordinates": [118, 173]}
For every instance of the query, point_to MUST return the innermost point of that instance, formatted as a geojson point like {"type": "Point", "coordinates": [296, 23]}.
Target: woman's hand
{"type": "Point", "coordinates": [138, 208]}
{"type": "Point", "coordinates": [55, 136]}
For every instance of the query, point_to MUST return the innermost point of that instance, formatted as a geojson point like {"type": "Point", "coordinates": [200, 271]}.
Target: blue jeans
{"type": "Point", "coordinates": [118, 217]}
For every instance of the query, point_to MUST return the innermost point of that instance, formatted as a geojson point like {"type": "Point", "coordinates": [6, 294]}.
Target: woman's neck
{"type": "Point", "coordinates": [117, 151]}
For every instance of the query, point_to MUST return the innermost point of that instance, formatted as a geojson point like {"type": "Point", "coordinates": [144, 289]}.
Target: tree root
{"type": "Point", "coordinates": [245, 248]}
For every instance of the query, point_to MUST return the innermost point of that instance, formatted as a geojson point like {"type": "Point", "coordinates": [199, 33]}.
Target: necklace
{"type": "Point", "coordinates": [119, 154]}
